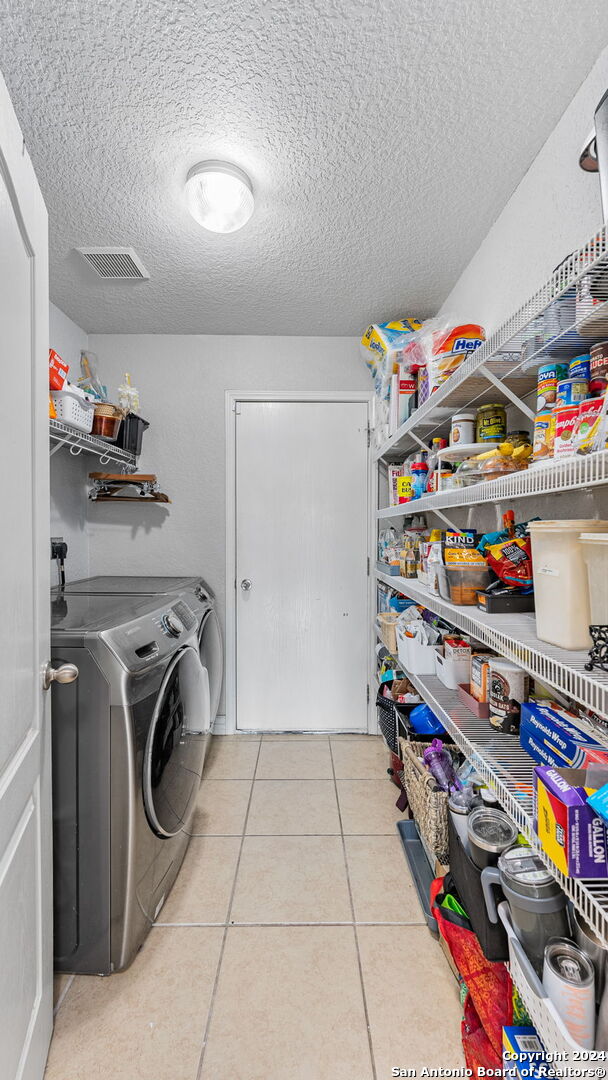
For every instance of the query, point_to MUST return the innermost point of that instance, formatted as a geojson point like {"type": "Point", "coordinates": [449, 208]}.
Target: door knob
{"type": "Point", "coordinates": [65, 673]}
{"type": "Point", "coordinates": [246, 584]}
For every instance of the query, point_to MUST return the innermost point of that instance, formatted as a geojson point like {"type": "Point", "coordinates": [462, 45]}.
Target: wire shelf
{"type": "Point", "coordinates": [509, 771]}
{"type": "Point", "coordinates": [565, 316]}
{"type": "Point", "coordinates": [63, 435]}
{"type": "Point", "coordinates": [571, 474]}
{"type": "Point", "coordinates": [514, 636]}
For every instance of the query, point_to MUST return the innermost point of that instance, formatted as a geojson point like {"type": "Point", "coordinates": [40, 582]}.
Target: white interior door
{"type": "Point", "coordinates": [301, 542]}
{"type": "Point", "coordinates": [26, 976]}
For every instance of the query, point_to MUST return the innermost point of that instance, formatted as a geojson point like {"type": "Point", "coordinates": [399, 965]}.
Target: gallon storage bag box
{"type": "Point", "coordinates": [572, 835]}
{"type": "Point", "coordinates": [560, 581]}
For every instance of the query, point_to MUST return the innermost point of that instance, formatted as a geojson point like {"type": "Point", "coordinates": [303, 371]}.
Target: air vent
{"type": "Point", "coordinates": [116, 264]}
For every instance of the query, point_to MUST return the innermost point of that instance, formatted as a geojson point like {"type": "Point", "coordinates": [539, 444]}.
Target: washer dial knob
{"type": "Point", "coordinates": [172, 625]}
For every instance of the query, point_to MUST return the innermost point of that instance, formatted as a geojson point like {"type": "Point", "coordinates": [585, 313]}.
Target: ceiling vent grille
{"type": "Point", "coordinates": [115, 264]}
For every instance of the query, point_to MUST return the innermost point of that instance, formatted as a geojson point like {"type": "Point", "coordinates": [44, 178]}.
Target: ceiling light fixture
{"type": "Point", "coordinates": [219, 196]}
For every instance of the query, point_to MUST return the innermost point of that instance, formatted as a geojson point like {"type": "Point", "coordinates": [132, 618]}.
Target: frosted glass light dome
{"type": "Point", "coordinates": [219, 196]}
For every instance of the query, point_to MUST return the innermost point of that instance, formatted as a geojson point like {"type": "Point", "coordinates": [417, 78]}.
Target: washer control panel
{"type": "Point", "coordinates": [171, 624]}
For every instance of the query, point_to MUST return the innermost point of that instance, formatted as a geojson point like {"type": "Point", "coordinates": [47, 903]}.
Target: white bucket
{"type": "Point", "coordinates": [560, 581]}
{"type": "Point", "coordinates": [595, 554]}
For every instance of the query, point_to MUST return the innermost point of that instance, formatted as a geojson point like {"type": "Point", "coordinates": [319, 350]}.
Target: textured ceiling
{"type": "Point", "coordinates": [382, 138]}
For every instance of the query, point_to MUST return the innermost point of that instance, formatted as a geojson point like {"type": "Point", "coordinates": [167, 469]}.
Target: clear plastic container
{"type": "Point", "coordinates": [560, 581]}
{"type": "Point", "coordinates": [460, 584]}
{"type": "Point", "coordinates": [595, 554]}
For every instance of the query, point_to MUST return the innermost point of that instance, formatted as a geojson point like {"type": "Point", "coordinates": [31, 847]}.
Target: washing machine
{"type": "Point", "coordinates": [197, 594]}
{"type": "Point", "coordinates": [129, 737]}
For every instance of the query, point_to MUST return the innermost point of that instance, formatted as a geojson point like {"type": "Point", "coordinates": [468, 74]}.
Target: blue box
{"type": "Point", "coordinates": [523, 1054]}
{"type": "Point", "coordinates": [555, 730]}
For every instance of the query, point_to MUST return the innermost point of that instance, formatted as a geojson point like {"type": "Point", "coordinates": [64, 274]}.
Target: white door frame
{"type": "Point", "coordinates": [232, 397]}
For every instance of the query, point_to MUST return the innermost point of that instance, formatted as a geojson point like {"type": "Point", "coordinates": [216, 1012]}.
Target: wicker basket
{"type": "Point", "coordinates": [429, 806]}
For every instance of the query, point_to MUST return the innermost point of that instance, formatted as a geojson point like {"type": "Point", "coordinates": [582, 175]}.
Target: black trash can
{"type": "Point", "coordinates": [131, 433]}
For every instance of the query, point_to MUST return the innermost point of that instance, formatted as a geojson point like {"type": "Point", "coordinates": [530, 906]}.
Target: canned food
{"type": "Point", "coordinates": [491, 423]}
{"type": "Point", "coordinates": [572, 392]}
{"type": "Point", "coordinates": [546, 384]}
{"type": "Point", "coordinates": [579, 368]}
{"type": "Point", "coordinates": [599, 353]}
{"type": "Point", "coordinates": [566, 423]}
{"type": "Point", "coordinates": [544, 436]}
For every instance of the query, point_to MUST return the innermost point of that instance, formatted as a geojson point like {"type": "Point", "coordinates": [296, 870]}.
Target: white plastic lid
{"type": "Point", "coordinates": [594, 538]}
{"type": "Point", "coordinates": [463, 416]}
{"type": "Point", "coordinates": [580, 525]}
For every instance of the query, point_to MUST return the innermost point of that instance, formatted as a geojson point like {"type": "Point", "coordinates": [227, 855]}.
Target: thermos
{"type": "Point", "coordinates": [537, 904]}
{"type": "Point", "coordinates": [569, 982]}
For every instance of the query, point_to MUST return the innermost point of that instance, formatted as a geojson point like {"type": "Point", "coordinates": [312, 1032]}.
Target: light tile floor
{"type": "Point", "coordinates": [292, 946]}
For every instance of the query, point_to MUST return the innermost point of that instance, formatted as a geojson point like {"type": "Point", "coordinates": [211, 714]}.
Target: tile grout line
{"type": "Point", "coordinates": [352, 908]}
{"type": "Point", "coordinates": [226, 923]}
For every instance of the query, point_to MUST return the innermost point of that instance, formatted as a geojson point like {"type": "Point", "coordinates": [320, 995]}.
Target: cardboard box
{"type": "Point", "coordinates": [456, 648]}
{"type": "Point", "coordinates": [480, 677]}
{"type": "Point", "coordinates": [538, 750]}
{"type": "Point", "coordinates": [555, 729]}
{"type": "Point", "coordinates": [572, 835]}
{"type": "Point", "coordinates": [523, 1054]}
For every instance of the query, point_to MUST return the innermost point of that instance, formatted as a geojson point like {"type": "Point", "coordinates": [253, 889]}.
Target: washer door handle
{"type": "Point", "coordinates": [246, 584]}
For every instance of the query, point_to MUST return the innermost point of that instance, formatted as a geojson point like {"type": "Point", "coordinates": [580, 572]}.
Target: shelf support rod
{"type": "Point", "coordinates": [412, 435]}
{"type": "Point", "coordinates": [451, 524]}
{"type": "Point", "coordinates": [504, 389]}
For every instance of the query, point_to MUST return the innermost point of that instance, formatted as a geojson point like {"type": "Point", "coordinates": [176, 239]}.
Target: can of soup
{"type": "Point", "coordinates": [572, 392]}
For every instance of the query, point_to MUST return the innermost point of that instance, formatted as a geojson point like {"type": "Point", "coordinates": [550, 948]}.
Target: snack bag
{"type": "Point", "coordinates": [511, 559]}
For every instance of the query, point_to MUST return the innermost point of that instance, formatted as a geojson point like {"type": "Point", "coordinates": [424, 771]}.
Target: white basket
{"type": "Point", "coordinates": [74, 408]}
{"type": "Point", "coordinates": [416, 658]}
{"type": "Point", "coordinates": [545, 1017]}
{"type": "Point", "coordinates": [452, 672]}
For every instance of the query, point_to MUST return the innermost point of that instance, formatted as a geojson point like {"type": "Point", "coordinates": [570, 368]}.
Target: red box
{"type": "Point", "coordinates": [478, 708]}
{"type": "Point", "coordinates": [58, 371]}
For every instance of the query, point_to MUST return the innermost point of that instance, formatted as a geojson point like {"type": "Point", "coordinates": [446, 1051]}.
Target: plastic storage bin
{"type": "Point", "coordinates": [131, 433]}
{"type": "Point", "coordinates": [467, 878]}
{"type": "Point", "coordinates": [74, 408]}
{"type": "Point", "coordinates": [560, 581]}
{"type": "Point", "coordinates": [595, 554]}
{"type": "Point", "coordinates": [452, 672]}
{"type": "Point", "coordinates": [460, 584]}
{"type": "Point", "coordinates": [416, 658]}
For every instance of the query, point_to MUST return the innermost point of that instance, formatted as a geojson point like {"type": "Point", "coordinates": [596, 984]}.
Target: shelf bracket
{"type": "Point", "coordinates": [412, 435]}
{"type": "Point", "coordinates": [504, 389]}
{"type": "Point", "coordinates": [451, 524]}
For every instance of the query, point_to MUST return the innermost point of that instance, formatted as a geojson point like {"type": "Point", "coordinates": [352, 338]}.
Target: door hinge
{"type": "Point", "coordinates": [367, 689]}
{"type": "Point", "coordinates": [236, 407]}
{"type": "Point", "coordinates": [368, 566]}
{"type": "Point", "coordinates": [369, 436]}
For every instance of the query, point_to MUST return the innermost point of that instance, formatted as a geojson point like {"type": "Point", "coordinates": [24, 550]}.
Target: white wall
{"type": "Point", "coordinates": [554, 210]}
{"type": "Point", "coordinates": [182, 380]}
{"type": "Point", "coordinates": [69, 473]}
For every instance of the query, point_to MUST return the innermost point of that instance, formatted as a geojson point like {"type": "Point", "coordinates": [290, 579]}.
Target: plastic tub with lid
{"type": "Point", "coordinates": [560, 581]}
{"type": "Point", "coordinates": [595, 554]}
{"type": "Point", "coordinates": [461, 582]}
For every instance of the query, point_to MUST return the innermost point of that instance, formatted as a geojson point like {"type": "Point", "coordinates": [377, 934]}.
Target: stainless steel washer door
{"type": "Point", "coordinates": [175, 748]}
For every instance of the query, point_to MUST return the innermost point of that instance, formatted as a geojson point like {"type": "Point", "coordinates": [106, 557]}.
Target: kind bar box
{"type": "Point", "coordinates": [573, 836]}
{"type": "Point", "coordinates": [523, 1054]}
{"type": "Point", "coordinates": [556, 730]}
